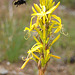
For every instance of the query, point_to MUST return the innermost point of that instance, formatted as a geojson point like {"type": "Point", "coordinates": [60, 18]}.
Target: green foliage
{"type": "Point", "coordinates": [12, 42]}
{"type": "Point", "coordinates": [11, 35]}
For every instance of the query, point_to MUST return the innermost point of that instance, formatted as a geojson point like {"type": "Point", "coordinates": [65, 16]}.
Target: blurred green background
{"type": "Point", "coordinates": [14, 19]}
{"type": "Point", "coordinates": [68, 3]}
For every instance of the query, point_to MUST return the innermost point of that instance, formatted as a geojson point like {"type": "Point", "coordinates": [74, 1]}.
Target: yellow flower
{"type": "Point", "coordinates": [46, 24]}
{"type": "Point", "coordinates": [41, 11]}
{"type": "Point", "coordinates": [25, 63]}
{"type": "Point", "coordinates": [35, 56]}
{"type": "Point", "coordinates": [56, 56]}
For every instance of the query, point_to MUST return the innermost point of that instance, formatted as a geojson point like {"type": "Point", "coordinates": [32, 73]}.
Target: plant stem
{"type": "Point", "coordinates": [41, 72]}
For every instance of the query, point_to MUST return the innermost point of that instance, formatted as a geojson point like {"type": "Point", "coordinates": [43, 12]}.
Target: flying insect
{"type": "Point", "coordinates": [19, 2]}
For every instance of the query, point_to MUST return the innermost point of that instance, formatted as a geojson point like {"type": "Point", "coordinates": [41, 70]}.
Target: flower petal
{"type": "Point", "coordinates": [25, 63]}
{"type": "Point", "coordinates": [56, 56]}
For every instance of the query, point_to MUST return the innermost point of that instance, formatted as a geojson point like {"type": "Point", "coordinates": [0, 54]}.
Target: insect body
{"type": "Point", "coordinates": [19, 2]}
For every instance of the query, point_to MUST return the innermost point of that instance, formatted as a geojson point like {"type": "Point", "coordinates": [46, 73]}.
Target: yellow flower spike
{"type": "Point", "coordinates": [45, 24]}
{"type": "Point", "coordinates": [56, 56]}
{"type": "Point", "coordinates": [34, 10]}
{"type": "Point", "coordinates": [35, 56]}
{"type": "Point", "coordinates": [37, 8]}
{"type": "Point", "coordinates": [25, 63]}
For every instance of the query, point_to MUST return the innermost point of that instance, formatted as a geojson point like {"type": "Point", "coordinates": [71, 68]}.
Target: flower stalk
{"type": "Point", "coordinates": [47, 25]}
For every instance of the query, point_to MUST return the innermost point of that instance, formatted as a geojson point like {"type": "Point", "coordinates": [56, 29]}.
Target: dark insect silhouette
{"type": "Point", "coordinates": [19, 2]}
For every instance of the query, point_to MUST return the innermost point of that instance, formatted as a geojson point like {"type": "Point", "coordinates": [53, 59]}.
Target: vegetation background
{"type": "Point", "coordinates": [12, 23]}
